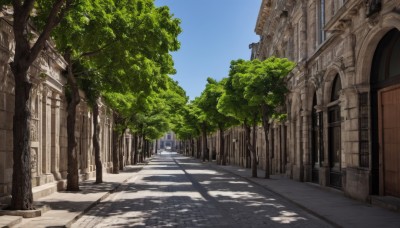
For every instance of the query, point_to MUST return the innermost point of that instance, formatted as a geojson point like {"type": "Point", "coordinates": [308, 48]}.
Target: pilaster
{"type": "Point", "coordinates": [55, 136]}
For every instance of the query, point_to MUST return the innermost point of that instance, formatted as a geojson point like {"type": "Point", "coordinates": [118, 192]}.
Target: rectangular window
{"type": "Point", "coordinates": [364, 129]}
{"type": "Point", "coordinates": [321, 21]}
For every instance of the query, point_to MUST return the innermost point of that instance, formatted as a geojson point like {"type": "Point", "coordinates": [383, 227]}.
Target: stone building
{"type": "Point", "coordinates": [342, 129]}
{"type": "Point", "coordinates": [48, 123]}
{"type": "Point", "coordinates": [168, 141]}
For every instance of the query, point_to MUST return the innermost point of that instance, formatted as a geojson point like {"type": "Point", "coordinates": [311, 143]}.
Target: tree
{"type": "Point", "coordinates": [28, 46]}
{"type": "Point", "coordinates": [208, 103]}
{"type": "Point", "coordinates": [234, 103]}
{"type": "Point", "coordinates": [126, 43]}
{"type": "Point", "coordinates": [266, 88]}
{"type": "Point", "coordinates": [205, 125]}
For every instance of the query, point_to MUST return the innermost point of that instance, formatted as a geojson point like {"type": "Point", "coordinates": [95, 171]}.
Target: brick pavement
{"type": "Point", "coordinates": [174, 191]}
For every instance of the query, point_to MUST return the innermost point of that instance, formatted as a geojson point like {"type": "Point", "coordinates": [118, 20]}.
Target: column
{"type": "Point", "coordinates": [55, 136]}
{"type": "Point", "coordinates": [46, 130]}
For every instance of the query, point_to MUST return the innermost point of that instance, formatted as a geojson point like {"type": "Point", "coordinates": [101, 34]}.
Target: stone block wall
{"type": "Point", "coordinates": [48, 121]}
{"type": "Point", "coordinates": [292, 29]}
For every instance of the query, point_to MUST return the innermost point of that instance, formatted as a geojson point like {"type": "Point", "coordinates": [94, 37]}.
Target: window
{"type": "Point", "coordinates": [334, 136]}
{"type": "Point", "coordinates": [337, 4]}
{"type": "Point", "coordinates": [386, 67]}
{"type": "Point", "coordinates": [169, 137]}
{"type": "Point", "coordinates": [316, 141]}
{"type": "Point", "coordinates": [321, 21]}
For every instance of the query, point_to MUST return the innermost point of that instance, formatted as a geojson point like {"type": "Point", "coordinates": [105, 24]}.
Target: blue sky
{"type": "Point", "coordinates": [214, 33]}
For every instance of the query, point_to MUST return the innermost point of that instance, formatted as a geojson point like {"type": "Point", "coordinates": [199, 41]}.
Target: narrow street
{"type": "Point", "coordinates": [175, 191]}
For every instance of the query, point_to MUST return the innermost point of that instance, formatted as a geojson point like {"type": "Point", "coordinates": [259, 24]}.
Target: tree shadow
{"type": "Point", "coordinates": [197, 196]}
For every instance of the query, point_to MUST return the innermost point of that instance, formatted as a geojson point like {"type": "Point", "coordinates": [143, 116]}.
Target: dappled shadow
{"type": "Point", "coordinates": [181, 192]}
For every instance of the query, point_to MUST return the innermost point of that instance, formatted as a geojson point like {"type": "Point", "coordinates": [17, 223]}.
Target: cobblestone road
{"type": "Point", "coordinates": [175, 191]}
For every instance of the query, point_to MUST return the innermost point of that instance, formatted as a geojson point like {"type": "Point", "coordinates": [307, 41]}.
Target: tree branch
{"type": "Point", "coordinates": [55, 16]}
{"type": "Point", "coordinates": [91, 53]}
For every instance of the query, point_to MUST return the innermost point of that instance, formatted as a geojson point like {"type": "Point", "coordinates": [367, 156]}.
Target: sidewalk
{"type": "Point", "coordinates": [328, 204]}
{"type": "Point", "coordinates": [67, 207]}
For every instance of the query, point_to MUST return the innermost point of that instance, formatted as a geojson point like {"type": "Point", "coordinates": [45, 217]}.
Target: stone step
{"type": "Point", "coordinates": [9, 220]}
{"type": "Point", "coordinates": [388, 202]}
{"type": "Point", "coordinates": [44, 190]}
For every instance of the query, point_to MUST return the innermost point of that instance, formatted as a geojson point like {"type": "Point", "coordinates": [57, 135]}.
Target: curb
{"type": "Point", "coordinates": [108, 193]}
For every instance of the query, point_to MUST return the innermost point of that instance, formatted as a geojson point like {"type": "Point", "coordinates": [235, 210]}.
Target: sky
{"type": "Point", "coordinates": [214, 33]}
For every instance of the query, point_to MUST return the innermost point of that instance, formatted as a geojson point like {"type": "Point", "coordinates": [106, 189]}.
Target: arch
{"type": "Point", "coordinates": [329, 78]}
{"type": "Point", "coordinates": [366, 52]}
{"type": "Point", "coordinates": [385, 95]}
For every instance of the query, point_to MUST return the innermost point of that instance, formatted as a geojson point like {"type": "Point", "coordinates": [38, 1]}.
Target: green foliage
{"type": "Point", "coordinates": [187, 126]}
{"type": "Point", "coordinates": [233, 101]}
{"type": "Point", "coordinates": [5, 3]}
{"type": "Point", "coordinates": [254, 83]}
{"type": "Point", "coordinates": [208, 103]}
{"type": "Point", "coordinates": [121, 51]}
{"type": "Point", "coordinates": [265, 82]}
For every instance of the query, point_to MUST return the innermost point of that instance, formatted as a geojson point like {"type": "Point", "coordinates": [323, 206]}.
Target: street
{"type": "Point", "coordinates": [176, 191]}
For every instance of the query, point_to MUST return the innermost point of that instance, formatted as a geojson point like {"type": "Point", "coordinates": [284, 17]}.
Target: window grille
{"type": "Point", "coordinates": [364, 129]}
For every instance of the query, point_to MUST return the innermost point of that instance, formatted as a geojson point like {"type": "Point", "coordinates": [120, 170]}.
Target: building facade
{"type": "Point", "coordinates": [168, 142]}
{"type": "Point", "coordinates": [342, 129]}
{"type": "Point", "coordinates": [48, 123]}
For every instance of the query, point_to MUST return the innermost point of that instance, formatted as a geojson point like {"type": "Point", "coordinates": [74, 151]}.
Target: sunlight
{"type": "Point", "coordinates": [287, 217]}
{"type": "Point", "coordinates": [165, 172]}
{"type": "Point", "coordinates": [233, 195]}
{"type": "Point", "coordinates": [202, 171]}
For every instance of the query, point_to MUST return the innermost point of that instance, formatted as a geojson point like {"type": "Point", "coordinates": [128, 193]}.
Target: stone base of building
{"type": "Point", "coordinates": [297, 173]}
{"type": "Point", "coordinates": [357, 181]}
{"type": "Point", "coordinates": [324, 176]}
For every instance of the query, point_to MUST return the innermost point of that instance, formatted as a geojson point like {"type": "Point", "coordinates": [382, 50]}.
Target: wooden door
{"type": "Point", "coordinates": [389, 139]}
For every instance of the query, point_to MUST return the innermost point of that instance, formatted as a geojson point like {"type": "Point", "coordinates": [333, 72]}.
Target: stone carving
{"type": "Point", "coordinates": [372, 6]}
{"type": "Point", "coordinates": [4, 39]}
{"type": "Point", "coordinates": [34, 127]}
{"type": "Point", "coordinates": [34, 160]}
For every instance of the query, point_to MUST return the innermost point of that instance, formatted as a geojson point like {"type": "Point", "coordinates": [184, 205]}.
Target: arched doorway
{"type": "Point", "coordinates": [316, 137]}
{"type": "Point", "coordinates": [385, 103]}
{"type": "Point", "coordinates": [334, 136]}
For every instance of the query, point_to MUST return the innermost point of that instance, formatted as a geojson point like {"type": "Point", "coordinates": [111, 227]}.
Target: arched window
{"type": "Point", "coordinates": [334, 136]}
{"type": "Point", "coordinates": [316, 141]}
{"type": "Point", "coordinates": [337, 86]}
{"type": "Point", "coordinates": [386, 63]}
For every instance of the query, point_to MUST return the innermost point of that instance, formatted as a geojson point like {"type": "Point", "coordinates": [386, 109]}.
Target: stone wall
{"type": "Point", "coordinates": [49, 121]}
{"type": "Point", "coordinates": [351, 32]}
{"type": "Point", "coordinates": [342, 48]}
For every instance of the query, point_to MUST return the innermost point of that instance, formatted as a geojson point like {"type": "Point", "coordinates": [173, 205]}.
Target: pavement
{"type": "Point", "coordinates": [327, 204]}
{"type": "Point", "coordinates": [66, 207]}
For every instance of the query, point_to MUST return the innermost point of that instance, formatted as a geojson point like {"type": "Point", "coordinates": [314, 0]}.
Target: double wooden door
{"type": "Point", "coordinates": [389, 140]}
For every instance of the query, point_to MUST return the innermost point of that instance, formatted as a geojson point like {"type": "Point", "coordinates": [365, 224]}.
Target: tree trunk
{"type": "Point", "coordinates": [254, 151]}
{"type": "Point", "coordinates": [121, 151]}
{"type": "Point", "coordinates": [115, 145]}
{"type": "Point", "coordinates": [222, 146]}
{"type": "Point", "coordinates": [73, 101]}
{"type": "Point", "coordinates": [22, 197]}
{"type": "Point", "coordinates": [191, 146]}
{"type": "Point", "coordinates": [135, 156]}
{"type": "Point", "coordinates": [204, 142]}
{"type": "Point", "coordinates": [264, 111]}
{"type": "Point", "coordinates": [24, 56]}
{"type": "Point", "coordinates": [96, 144]}
{"type": "Point", "coordinates": [140, 149]}
{"type": "Point", "coordinates": [247, 139]}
